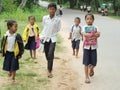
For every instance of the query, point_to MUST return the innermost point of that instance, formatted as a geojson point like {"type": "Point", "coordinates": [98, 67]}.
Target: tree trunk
{"type": "Point", "coordinates": [97, 4]}
{"type": "Point", "coordinates": [71, 3]}
{"type": "Point", "coordinates": [0, 6]}
{"type": "Point", "coordinates": [23, 3]}
{"type": "Point", "coordinates": [115, 7]}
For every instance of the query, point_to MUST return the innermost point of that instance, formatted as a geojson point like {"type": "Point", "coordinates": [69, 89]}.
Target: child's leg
{"type": "Point", "coordinates": [73, 51]}
{"type": "Point", "coordinates": [91, 70]}
{"type": "Point", "coordinates": [13, 76]}
{"type": "Point", "coordinates": [77, 50]}
{"type": "Point", "coordinates": [9, 74]}
{"type": "Point", "coordinates": [31, 53]}
{"type": "Point", "coordinates": [34, 54]}
{"type": "Point", "coordinates": [77, 47]}
{"type": "Point", "coordinates": [86, 74]}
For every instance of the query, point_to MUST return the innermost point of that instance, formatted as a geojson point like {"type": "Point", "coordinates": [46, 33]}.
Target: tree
{"type": "Point", "coordinates": [72, 3]}
{"type": "Point", "coordinates": [23, 3]}
{"type": "Point", "coordinates": [0, 5]}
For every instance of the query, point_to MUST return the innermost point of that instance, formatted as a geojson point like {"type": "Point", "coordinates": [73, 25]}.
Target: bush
{"type": "Point", "coordinates": [22, 15]}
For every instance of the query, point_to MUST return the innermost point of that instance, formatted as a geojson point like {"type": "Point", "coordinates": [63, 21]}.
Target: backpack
{"type": "Point", "coordinates": [80, 31]}
{"type": "Point", "coordinates": [79, 28]}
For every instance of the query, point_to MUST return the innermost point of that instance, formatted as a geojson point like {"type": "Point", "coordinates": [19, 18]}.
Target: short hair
{"type": "Point", "coordinates": [10, 23]}
{"type": "Point", "coordinates": [31, 17]}
{"type": "Point", "coordinates": [78, 19]}
{"type": "Point", "coordinates": [52, 5]}
{"type": "Point", "coordinates": [90, 15]}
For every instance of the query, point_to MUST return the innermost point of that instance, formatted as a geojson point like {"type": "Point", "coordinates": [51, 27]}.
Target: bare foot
{"type": "Point", "coordinates": [91, 72]}
{"type": "Point", "coordinates": [87, 81]}
{"type": "Point", "coordinates": [50, 75]}
{"type": "Point", "coordinates": [13, 82]}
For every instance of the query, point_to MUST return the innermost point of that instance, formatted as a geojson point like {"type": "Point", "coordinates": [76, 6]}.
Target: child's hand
{"type": "Point", "coordinates": [1, 55]}
{"type": "Point", "coordinates": [69, 38]}
{"type": "Point", "coordinates": [19, 57]}
{"type": "Point", "coordinates": [97, 35]}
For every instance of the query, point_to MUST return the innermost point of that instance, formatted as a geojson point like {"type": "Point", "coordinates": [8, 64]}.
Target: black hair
{"type": "Point", "coordinates": [90, 15]}
{"type": "Point", "coordinates": [52, 5]}
{"type": "Point", "coordinates": [10, 23]}
{"type": "Point", "coordinates": [31, 16]}
{"type": "Point", "coordinates": [78, 19]}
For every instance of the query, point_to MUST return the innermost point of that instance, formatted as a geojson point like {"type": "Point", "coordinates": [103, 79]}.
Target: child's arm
{"type": "Point", "coordinates": [70, 36]}
{"type": "Point", "coordinates": [25, 33]}
{"type": "Point", "coordinates": [21, 46]}
{"type": "Point", "coordinates": [97, 35]}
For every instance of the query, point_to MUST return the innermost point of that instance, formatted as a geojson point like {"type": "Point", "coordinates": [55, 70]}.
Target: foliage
{"type": "Point", "coordinates": [37, 11]}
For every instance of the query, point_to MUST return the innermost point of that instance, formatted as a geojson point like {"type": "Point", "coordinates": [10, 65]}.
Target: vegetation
{"type": "Point", "coordinates": [113, 5]}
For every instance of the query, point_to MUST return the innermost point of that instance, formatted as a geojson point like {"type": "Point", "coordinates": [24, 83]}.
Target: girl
{"type": "Point", "coordinates": [12, 49]}
{"type": "Point", "coordinates": [75, 36]}
{"type": "Point", "coordinates": [90, 48]}
{"type": "Point", "coordinates": [29, 36]}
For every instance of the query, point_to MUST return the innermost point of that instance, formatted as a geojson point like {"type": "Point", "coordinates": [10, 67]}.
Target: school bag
{"type": "Point", "coordinates": [80, 30]}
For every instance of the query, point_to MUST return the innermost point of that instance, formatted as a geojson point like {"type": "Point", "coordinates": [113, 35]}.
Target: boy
{"type": "Point", "coordinates": [76, 36]}
{"type": "Point", "coordinates": [51, 25]}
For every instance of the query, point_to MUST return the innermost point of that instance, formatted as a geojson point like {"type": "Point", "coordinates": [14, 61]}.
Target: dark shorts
{"type": "Point", "coordinates": [10, 62]}
{"type": "Point", "coordinates": [31, 44]}
{"type": "Point", "coordinates": [75, 44]}
{"type": "Point", "coordinates": [90, 57]}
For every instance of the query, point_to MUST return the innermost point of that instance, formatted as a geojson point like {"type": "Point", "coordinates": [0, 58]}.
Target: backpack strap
{"type": "Point", "coordinates": [72, 28]}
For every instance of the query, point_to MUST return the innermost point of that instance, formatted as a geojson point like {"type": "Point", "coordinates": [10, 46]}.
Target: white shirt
{"type": "Point", "coordinates": [51, 27]}
{"type": "Point", "coordinates": [11, 41]}
{"type": "Point", "coordinates": [31, 31]}
{"type": "Point", "coordinates": [89, 8]}
{"type": "Point", "coordinates": [76, 32]}
{"type": "Point", "coordinates": [88, 46]}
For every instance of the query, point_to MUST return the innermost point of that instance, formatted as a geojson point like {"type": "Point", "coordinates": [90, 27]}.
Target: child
{"type": "Point", "coordinates": [90, 49]}
{"type": "Point", "coordinates": [60, 10]}
{"type": "Point", "coordinates": [30, 34]}
{"type": "Point", "coordinates": [12, 49]}
{"type": "Point", "coordinates": [76, 36]}
{"type": "Point", "coordinates": [51, 25]}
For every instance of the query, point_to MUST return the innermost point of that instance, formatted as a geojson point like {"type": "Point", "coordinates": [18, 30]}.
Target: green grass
{"type": "Point", "coordinates": [37, 11]}
{"type": "Point", "coordinates": [28, 77]}
{"type": "Point", "coordinates": [59, 48]}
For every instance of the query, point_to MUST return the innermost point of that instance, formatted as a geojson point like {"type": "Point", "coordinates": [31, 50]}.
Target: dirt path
{"type": "Point", "coordinates": [66, 68]}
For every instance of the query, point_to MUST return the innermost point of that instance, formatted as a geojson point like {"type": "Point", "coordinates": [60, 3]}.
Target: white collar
{"type": "Point", "coordinates": [8, 34]}
{"type": "Point", "coordinates": [51, 18]}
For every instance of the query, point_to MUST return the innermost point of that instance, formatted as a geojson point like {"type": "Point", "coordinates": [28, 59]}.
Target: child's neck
{"type": "Point", "coordinates": [32, 24]}
{"type": "Point", "coordinates": [51, 16]}
{"type": "Point", "coordinates": [11, 32]}
{"type": "Point", "coordinates": [89, 24]}
{"type": "Point", "coordinates": [77, 25]}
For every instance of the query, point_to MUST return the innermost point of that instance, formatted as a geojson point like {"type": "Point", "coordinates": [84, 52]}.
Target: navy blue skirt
{"type": "Point", "coordinates": [10, 62]}
{"type": "Point", "coordinates": [31, 45]}
{"type": "Point", "coordinates": [90, 57]}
